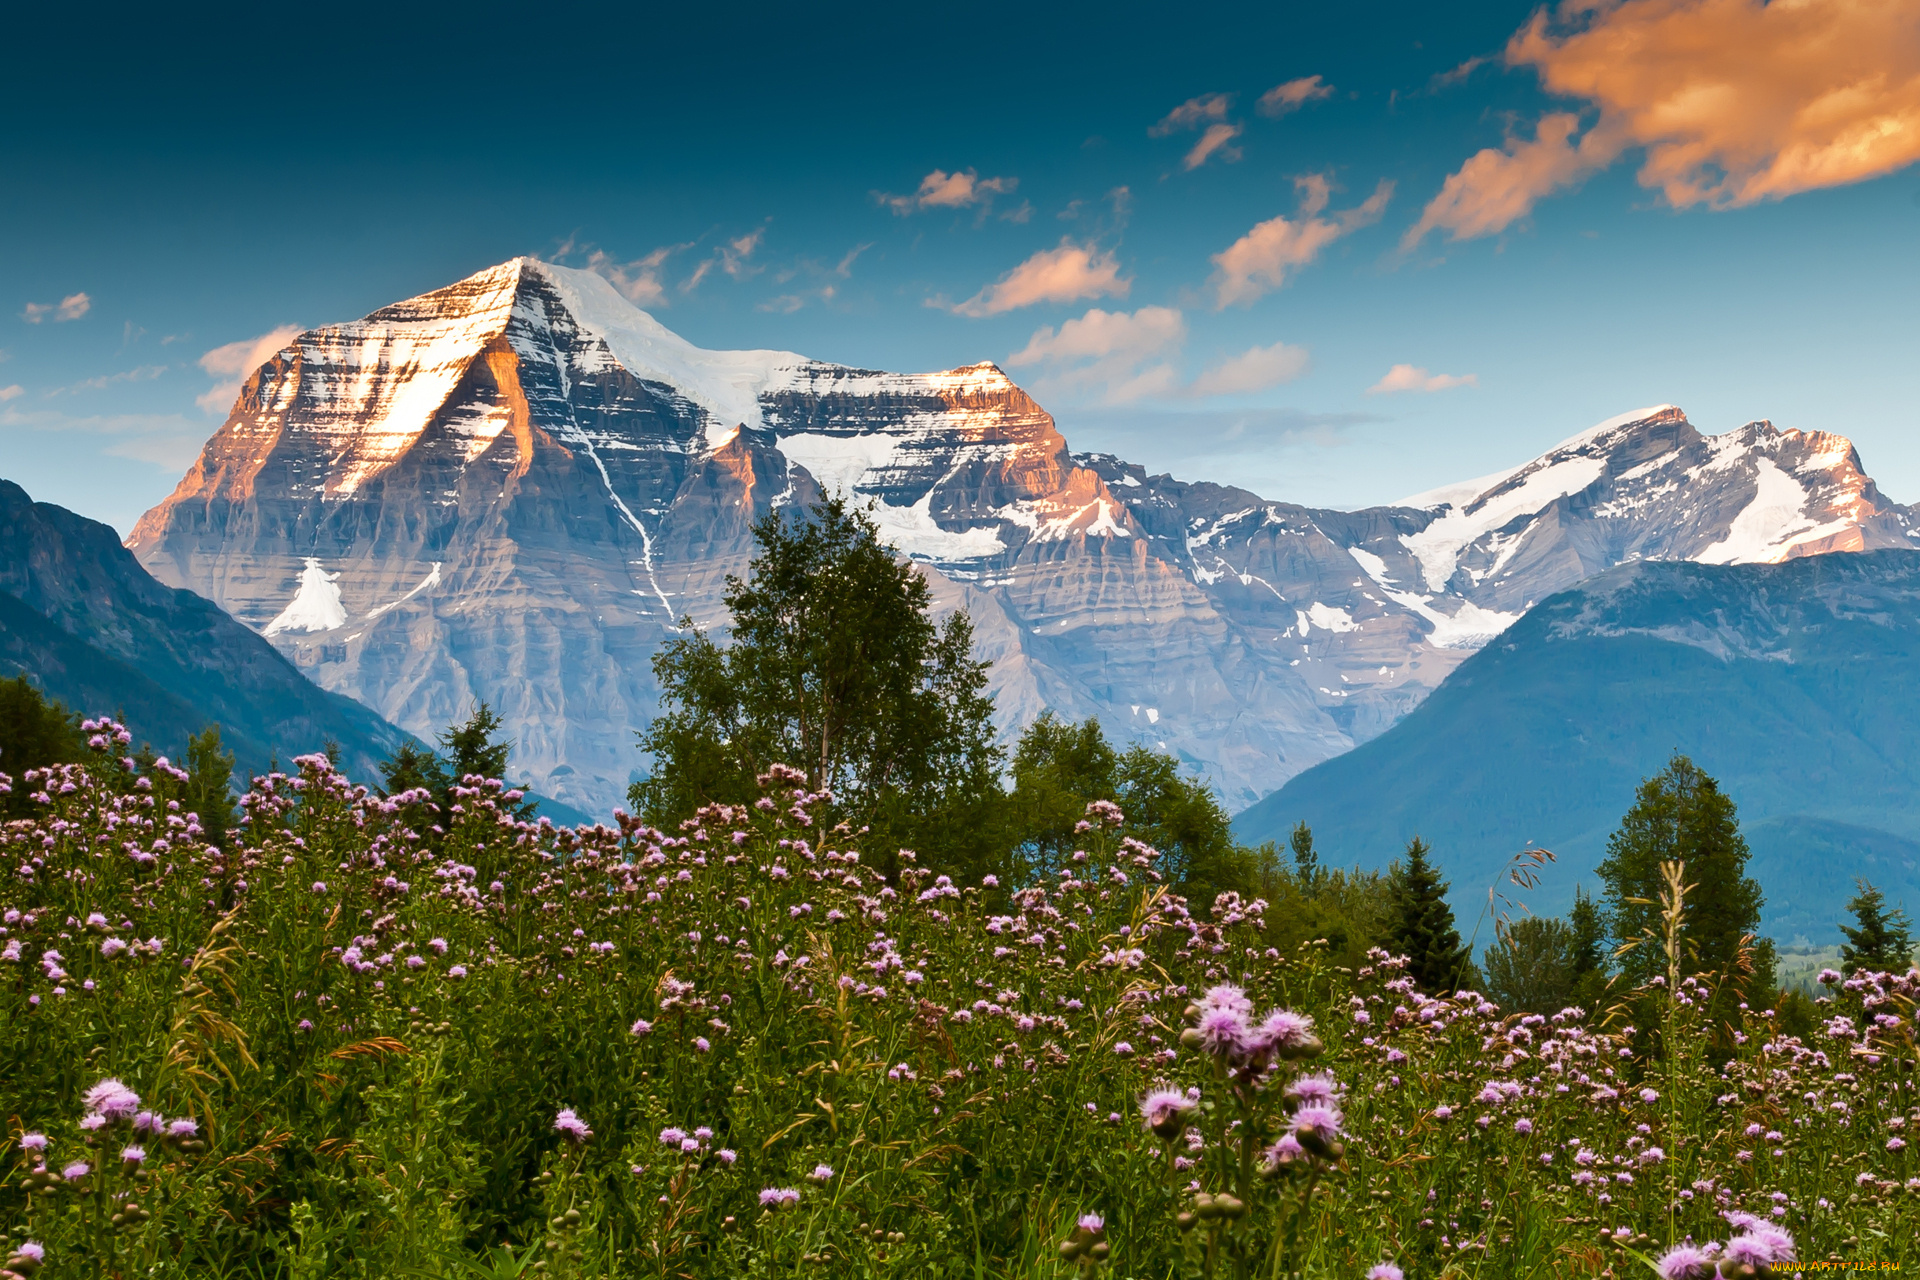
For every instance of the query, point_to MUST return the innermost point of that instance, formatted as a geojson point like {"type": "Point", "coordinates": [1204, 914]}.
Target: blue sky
{"type": "Point", "coordinates": [1204, 240]}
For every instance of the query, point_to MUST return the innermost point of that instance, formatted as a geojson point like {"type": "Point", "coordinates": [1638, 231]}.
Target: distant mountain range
{"type": "Point", "coordinates": [1795, 685]}
{"type": "Point", "coordinates": [92, 628]}
{"type": "Point", "coordinates": [514, 488]}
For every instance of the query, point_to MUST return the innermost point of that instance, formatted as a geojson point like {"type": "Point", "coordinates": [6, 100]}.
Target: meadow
{"type": "Point", "coordinates": [370, 1038]}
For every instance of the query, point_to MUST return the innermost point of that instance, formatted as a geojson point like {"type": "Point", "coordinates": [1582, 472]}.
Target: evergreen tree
{"type": "Point", "coordinates": [1531, 967]}
{"type": "Point", "coordinates": [1589, 928]}
{"type": "Point", "coordinates": [1306, 860]}
{"type": "Point", "coordinates": [1682, 814]}
{"type": "Point", "coordinates": [470, 750]}
{"type": "Point", "coordinates": [208, 790]}
{"type": "Point", "coordinates": [1423, 929]}
{"type": "Point", "coordinates": [35, 731]}
{"type": "Point", "coordinates": [1880, 939]}
{"type": "Point", "coordinates": [835, 668]}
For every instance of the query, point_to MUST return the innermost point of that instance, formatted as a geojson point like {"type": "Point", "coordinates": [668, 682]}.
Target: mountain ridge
{"type": "Point", "coordinates": [516, 486]}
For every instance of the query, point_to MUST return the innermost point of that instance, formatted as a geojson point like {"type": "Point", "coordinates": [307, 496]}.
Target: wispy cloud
{"type": "Point", "coordinates": [639, 280]}
{"type": "Point", "coordinates": [169, 442]}
{"type": "Point", "coordinates": [141, 373]}
{"type": "Point", "coordinates": [1406, 377]}
{"type": "Point", "coordinates": [733, 257]}
{"type": "Point", "coordinates": [1213, 142]}
{"type": "Point", "coordinates": [1072, 272]}
{"type": "Point", "coordinates": [1194, 113]}
{"type": "Point", "coordinates": [71, 307]}
{"type": "Point", "coordinates": [827, 281]}
{"type": "Point", "coordinates": [1255, 369]}
{"type": "Point", "coordinates": [1120, 357]}
{"type": "Point", "coordinates": [1293, 95]}
{"type": "Point", "coordinates": [1260, 261]}
{"type": "Point", "coordinates": [1731, 102]}
{"type": "Point", "coordinates": [964, 188]}
{"type": "Point", "coordinates": [1208, 113]}
{"type": "Point", "coordinates": [1115, 356]}
{"type": "Point", "coordinates": [232, 363]}
{"type": "Point", "coordinates": [8, 393]}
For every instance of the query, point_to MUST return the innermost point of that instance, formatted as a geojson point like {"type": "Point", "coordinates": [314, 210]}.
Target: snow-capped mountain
{"type": "Point", "coordinates": [513, 488]}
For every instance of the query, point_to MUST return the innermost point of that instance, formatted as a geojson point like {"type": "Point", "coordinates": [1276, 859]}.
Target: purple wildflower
{"type": "Point", "coordinates": [181, 1129]}
{"type": "Point", "coordinates": [1092, 1222]}
{"type": "Point", "coordinates": [1287, 1033]}
{"type": "Point", "coordinates": [457, 971]}
{"type": "Point", "coordinates": [1385, 1271]}
{"type": "Point", "coordinates": [642, 1027]}
{"type": "Point", "coordinates": [672, 1137]}
{"type": "Point", "coordinates": [821, 1173]}
{"type": "Point", "coordinates": [111, 1099]}
{"type": "Point", "coordinates": [76, 1171]}
{"type": "Point", "coordinates": [1165, 1111]}
{"type": "Point", "coordinates": [778, 1197]}
{"type": "Point", "coordinates": [33, 1142]}
{"type": "Point", "coordinates": [1321, 1088]}
{"type": "Point", "coordinates": [1222, 1030]}
{"type": "Point", "coordinates": [32, 1250]}
{"type": "Point", "coordinates": [1684, 1262]}
{"type": "Point", "coordinates": [571, 1126]}
{"type": "Point", "coordinates": [133, 1153]}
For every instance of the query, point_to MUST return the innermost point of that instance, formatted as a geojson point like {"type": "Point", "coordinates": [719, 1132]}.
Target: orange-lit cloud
{"type": "Point", "coordinates": [1213, 142]}
{"type": "Point", "coordinates": [1254, 369]}
{"type": "Point", "coordinates": [638, 281]}
{"type": "Point", "coordinates": [1499, 185]}
{"type": "Point", "coordinates": [1194, 113]}
{"type": "Point", "coordinates": [1730, 101]}
{"type": "Point", "coordinates": [1114, 355]}
{"type": "Point", "coordinates": [733, 257]}
{"type": "Point", "coordinates": [1070, 273]}
{"type": "Point", "coordinates": [943, 190]}
{"type": "Point", "coordinates": [234, 361]}
{"type": "Point", "coordinates": [1406, 377]}
{"type": "Point", "coordinates": [1292, 96]}
{"type": "Point", "coordinates": [1259, 261]}
{"type": "Point", "coordinates": [71, 307]}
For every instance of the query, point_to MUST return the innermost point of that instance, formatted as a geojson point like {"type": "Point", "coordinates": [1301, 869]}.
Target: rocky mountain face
{"type": "Point", "coordinates": [515, 488]}
{"type": "Point", "coordinates": [83, 620]}
{"type": "Point", "coordinates": [1792, 684]}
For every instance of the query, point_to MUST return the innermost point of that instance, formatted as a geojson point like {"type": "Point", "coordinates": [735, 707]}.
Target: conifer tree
{"type": "Point", "coordinates": [1423, 926]}
{"type": "Point", "coordinates": [1306, 860]}
{"type": "Point", "coordinates": [1589, 950]}
{"type": "Point", "coordinates": [1881, 939]}
{"type": "Point", "coordinates": [1530, 969]}
{"type": "Point", "coordinates": [1682, 814]}
{"type": "Point", "coordinates": [35, 731]}
{"type": "Point", "coordinates": [208, 791]}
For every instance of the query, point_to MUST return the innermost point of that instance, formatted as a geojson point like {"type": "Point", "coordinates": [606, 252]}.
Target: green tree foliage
{"type": "Point", "coordinates": [35, 731]}
{"type": "Point", "coordinates": [468, 749]}
{"type": "Point", "coordinates": [1879, 939]}
{"type": "Point", "coordinates": [1589, 928]}
{"type": "Point", "coordinates": [1681, 813]}
{"type": "Point", "coordinates": [1422, 926]}
{"type": "Point", "coordinates": [835, 668]}
{"type": "Point", "coordinates": [1059, 767]}
{"type": "Point", "coordinates": [1306, 860]}
{"type": "Point", "coordinates": [208, 791]}
{"type": "Point", "coordinates": [1531, 968]}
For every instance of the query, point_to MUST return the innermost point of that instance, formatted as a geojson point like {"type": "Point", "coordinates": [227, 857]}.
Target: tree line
{"type": "Point", "coordinates": [835, 666]}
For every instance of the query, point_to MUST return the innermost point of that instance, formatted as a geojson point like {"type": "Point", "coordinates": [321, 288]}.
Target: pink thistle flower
{"type": "Point", "coordinates": [641, 1027]}
{"type": "Point", "coordinates": [821, 1173]}
{"type": "Point", "coordinates": [1165, 1111]}
{"type": "Point", "coordinates": [133, 1154]}
{"type": "Point", "coordinates": [1684, 1262]}
{"type": "Point", "coordinates": [571, 1126]}
{"type": "Point", "coordinates": [76, 1171]}
{"type": "Point", "coordinates": [1092, 1222]}
{"type": "Point", "coordinates": [1385, 1271]}
{"type": "Point", "coordinates": [111, 1099]}
{"type": "Point", "coordinates": [778, 1197]}
{"type": "Point", "coordinates": [33, 1251]}
{"type": "Point", "coordinates": [1223, 1030]}
{"type": "Point", "coordinates": [33, 1142]}
{"type": "Point", "coordinates": [457, 971]}
{"type": "Point", "coordinates": [672, 1137]}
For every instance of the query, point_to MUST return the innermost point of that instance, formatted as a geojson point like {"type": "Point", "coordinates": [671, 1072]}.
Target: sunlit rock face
{"type": "Point", "coordinates": [515, 488]}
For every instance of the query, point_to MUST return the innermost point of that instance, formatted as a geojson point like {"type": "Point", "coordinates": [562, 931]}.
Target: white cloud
{"type": "Point", "coordinates": [1116, 356]}
{"type": "Point", "coordinates": [1213, 142]}
{"type": "Point", "coordinates": [943, 190]}
{"type": "Point", "coordinates": [1070, 273]}
{"type": "Point", "coordinates": [71, 307]}
{"type": "Point", "coordinates": [1292, 95]}
{"type": "Point", "coordinates": [1260, 260]}
{"type": "Point", "coordinates": [1193, 114]}
{"type": "Point", "coordinates": [8, 393]}
{"type": "Point", "coordinates": [235, 361]}
{"type": "Point", "coordinates": [1406, 377]}
{"type": "Point", "coordinates": [1254, 369]}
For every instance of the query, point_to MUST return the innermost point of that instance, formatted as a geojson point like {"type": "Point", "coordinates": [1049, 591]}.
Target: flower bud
{"type": "Point", "coordinates": [1191, 1037]}
{"type": "Point", "coordinates": [1184, 1220]}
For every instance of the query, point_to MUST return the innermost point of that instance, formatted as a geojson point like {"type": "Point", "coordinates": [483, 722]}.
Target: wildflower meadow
{"type": "Point", "coordinates": [368, 1037]}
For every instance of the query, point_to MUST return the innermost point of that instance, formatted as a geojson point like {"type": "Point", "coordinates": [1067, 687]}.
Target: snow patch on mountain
{"type": "Point", "coordinates": [431, 580]}
{"type": "Point", "coordinates": [1468, 627]}
{"type": "Point", "coordinates": [727, 384]}
{"type": "Point", "coordinates": [1769, 527]}
{"type": "Point", "coordinates": [316, 606]}
{"type": "Point", "coordinates": [1527, 493]}
{"type": "Point", "coordinates": [841, 464]}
